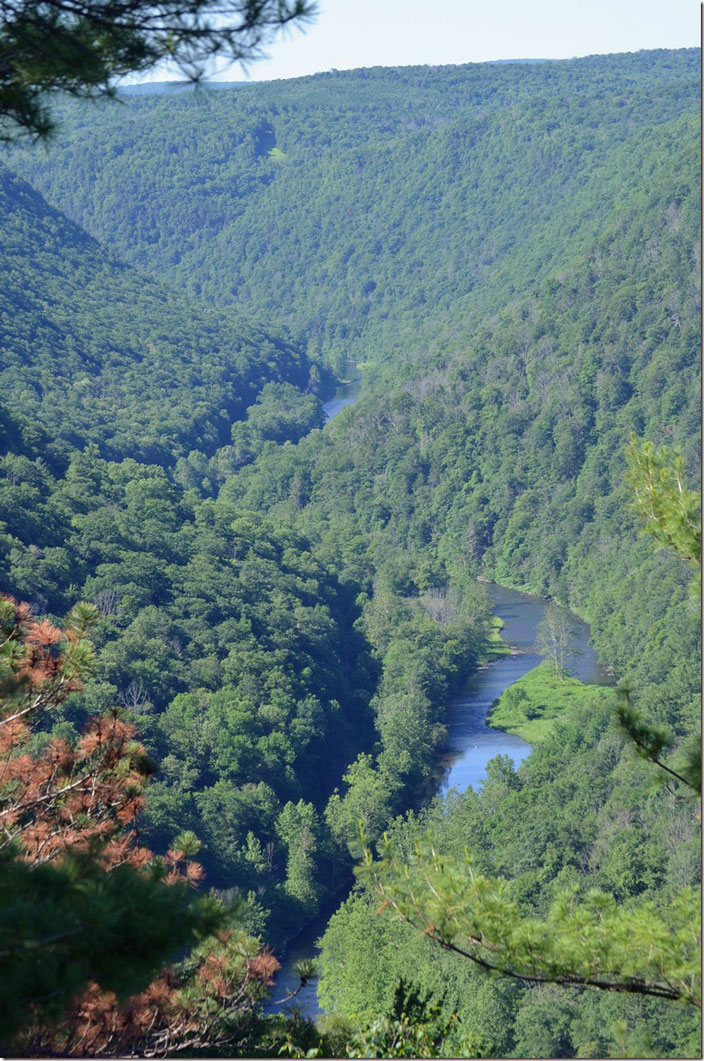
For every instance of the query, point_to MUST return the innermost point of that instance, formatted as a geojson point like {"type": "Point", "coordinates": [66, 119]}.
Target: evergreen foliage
{"type": "Point", "coordinates": [89, 915]}
{"type": "Point", "coordinates": [80, 47]}
{"type": "Point", "coordinates": [285, 609]}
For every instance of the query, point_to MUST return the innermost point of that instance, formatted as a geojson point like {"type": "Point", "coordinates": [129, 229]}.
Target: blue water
{"type": "Point", "coordinates": [471, 743]}
{"type": "Point", "coordinates": [346, 394]}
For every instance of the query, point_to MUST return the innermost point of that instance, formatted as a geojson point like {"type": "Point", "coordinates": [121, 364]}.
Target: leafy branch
{"type": "Point", "coordinates": [582, 942]}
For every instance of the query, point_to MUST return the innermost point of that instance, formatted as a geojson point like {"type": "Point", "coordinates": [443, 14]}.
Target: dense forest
{"type": "Point", "coordinates": [283, 608]}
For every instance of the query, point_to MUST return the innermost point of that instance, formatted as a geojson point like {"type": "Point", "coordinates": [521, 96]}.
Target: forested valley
{"type": "Point", "coordinates": [508, 255]}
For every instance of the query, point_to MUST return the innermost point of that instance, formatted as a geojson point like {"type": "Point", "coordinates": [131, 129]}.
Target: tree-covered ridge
{"type": "Point", "coordinates": [226, 638]}
{"type": "Point", "coordinates": [506, 458]}
{"type": "Point", "coordinates": [232, 645]}
{"type": "Point", "coordinates": [246, 663]}
{"type": "Point", "coordinates": [286, 611]}
{"type": "Point", "coordinates": [360, 207]}
{"type": "Point", "coordinates": [83, 337]}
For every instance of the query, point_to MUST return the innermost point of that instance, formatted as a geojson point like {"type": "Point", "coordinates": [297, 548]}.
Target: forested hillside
{"type": "Point", "coordinates": [234, 648]}
{"type": "Point", "coordinates": [368, 209]}
{"type": "Point", "coordinates": [511, 254]}
{"type": "Point", "coordinates": [84, 335]}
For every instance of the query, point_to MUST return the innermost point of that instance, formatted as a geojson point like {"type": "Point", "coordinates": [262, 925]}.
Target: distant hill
{"type": "Point", "coordinates": [366, 209]}
{"type": "Point", "coordinates": [162, 88]}
{"type": "Point", "coordinates": [165, 88]}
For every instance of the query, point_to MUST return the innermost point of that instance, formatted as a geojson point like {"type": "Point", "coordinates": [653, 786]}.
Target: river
{"type": "Point", "coordinates": [471, 743]}
{"type": "Point", "coordinates": [346, 394]}
{"type": "Point", "coordinates": [303, 945]}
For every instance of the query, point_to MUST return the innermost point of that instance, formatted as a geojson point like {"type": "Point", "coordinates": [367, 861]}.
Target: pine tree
{"type": "Point", "coordinates": [89, 916]}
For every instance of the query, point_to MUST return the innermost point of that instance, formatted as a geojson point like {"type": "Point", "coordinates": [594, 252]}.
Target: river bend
{"type": "Point", "coordinates": [471, 743]}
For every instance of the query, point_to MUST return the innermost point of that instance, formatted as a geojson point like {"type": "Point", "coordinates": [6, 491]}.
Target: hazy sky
{"type": "Point", "coordinates": [353, 33]}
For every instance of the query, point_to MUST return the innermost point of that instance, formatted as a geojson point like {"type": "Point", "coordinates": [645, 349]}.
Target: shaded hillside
{"type": "Point", "coordinates": [505, 456]}
{"type": "Point", "coordinates": [236, 649]}
{"type": "Point", "coordinates": [94, 350]}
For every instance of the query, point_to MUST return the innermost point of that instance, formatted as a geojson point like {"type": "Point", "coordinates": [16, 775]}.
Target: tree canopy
{"type": "Point", "coordinates": [286, 609]}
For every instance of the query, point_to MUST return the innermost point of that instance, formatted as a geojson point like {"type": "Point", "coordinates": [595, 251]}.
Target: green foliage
{"type": "Point", "coordinates": [415, 1028]}
{"type": "Point", "coordinates": [369, 799]}
{"type": "Point", "coordinates": [652, 741]}
{"type": "Point", "coordinates": [671, 512]}
{"type": "Point", "coordinates": [71, 355]}
{"type": "Point", "coordinates": [531, 705]}
{"type": "Point", "coordinates": [555, 638]}
{"type": "Point", "coordinates": [298, 827]}
{"type": "Point", "coordinates": [587, 941]}
{"type": "Point", "coordinates": [510, 252]}
{"type": "Point", "coordinates": [68, 924]}
{"type": "Point", "coordinates": [578, 813]}
{"type": "Point", "coordinates": [281, 413]}
{"type": "Point", "coordinates": [89, 49]}
{"type": "Point", "coordinates": [585, 937]}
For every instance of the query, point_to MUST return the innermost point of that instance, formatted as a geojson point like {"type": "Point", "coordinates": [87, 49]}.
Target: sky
{"type": "Point", "coordinates": [352, 33]}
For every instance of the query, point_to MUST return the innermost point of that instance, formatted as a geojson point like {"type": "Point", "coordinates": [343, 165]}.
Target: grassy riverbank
{"type": "Point", "coordinates": [494, 647]}
{"type": "Point", "coordinates": [530, 707]}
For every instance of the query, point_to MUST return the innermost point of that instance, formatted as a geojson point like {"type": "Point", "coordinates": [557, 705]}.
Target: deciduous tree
{"type": "Point", "coordinates": [584, 940]}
